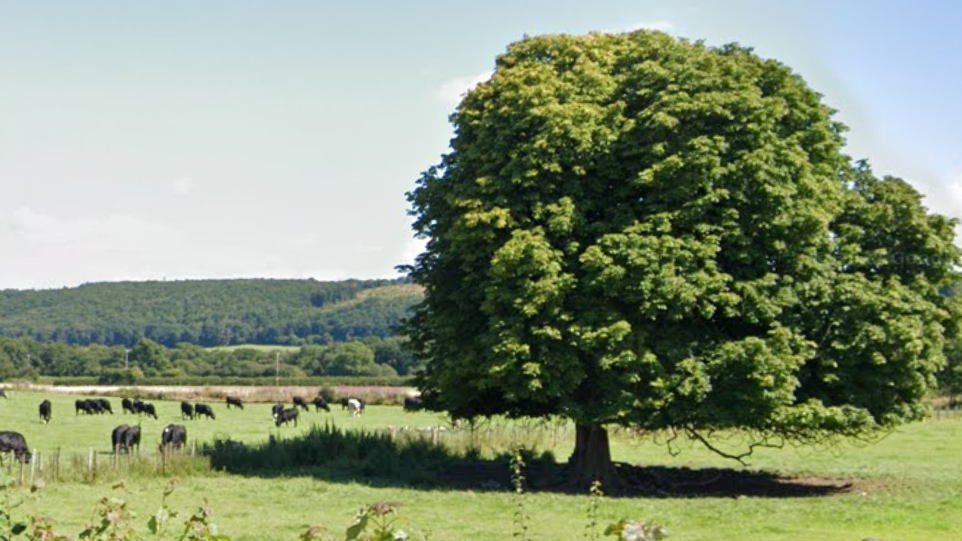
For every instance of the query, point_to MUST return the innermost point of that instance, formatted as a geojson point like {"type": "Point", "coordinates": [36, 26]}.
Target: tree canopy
{"type": "Point", "coordinates": [640, 230]}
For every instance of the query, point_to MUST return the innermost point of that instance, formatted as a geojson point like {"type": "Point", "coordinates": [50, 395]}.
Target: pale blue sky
{"type": "Point", "coordinates": [216, 139]}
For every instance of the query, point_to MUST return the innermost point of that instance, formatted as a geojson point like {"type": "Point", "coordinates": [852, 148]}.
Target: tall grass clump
{"type": "Point", "coordinates": [355, 452]}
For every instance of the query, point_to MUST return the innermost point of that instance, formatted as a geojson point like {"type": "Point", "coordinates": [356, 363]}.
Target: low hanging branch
{"type": "Point", "coordinates": [765, 442]}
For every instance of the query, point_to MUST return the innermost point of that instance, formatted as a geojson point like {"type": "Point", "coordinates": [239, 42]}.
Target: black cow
{"type": "Point", "coordinates": [173, 437]}
{"type": "Point", "coordinates": [276, 409]}
{"type": "Point", "coordinates": [413, 403]}
{"type": "Point", "coordinates": [45, 409]}
{"type": "Point", "coordinates": [148, 410]}
{"type": "Point", "coordinates": [117, 438]}
{"type": "Point", "coordinates": [234, 401]}
{"type": "Point", "coordinates": [104, 405]}
{"type": "Point", "coordinates": [321, 404]}
{"type": "Point", "coordinates": [94, 406]}
{"type": "Point", "coordinates": [3, 393]}
{"type": "Point", "coordinates": [204, 409]}
{"type": "Point", "coordinates": [81, 406]}
{"type": "Point", "coordinates": [285, 416]}
{"type": "Point", "coordinates": [186, 410]}
{"type": "Point", "coordinates": [127, 405]}
{"type": "Point", "coordinates": [13, 441]}
{"type": "Point", "coordinates": [300, 402]}
{"type": "Point", "coordinates": [131, 438]}
{"type": "Point", "coordinates": [344, 403]}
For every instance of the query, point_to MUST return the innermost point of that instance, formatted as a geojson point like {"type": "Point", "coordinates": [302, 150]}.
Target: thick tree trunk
{"type": "Point", "coordinates": [591, 459]}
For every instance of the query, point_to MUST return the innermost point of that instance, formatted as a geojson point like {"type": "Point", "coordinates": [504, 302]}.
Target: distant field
{"type": "Point", "coordinates": [906, 487]}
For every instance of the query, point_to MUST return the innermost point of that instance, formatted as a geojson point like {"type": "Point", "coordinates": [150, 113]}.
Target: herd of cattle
{"type": "Point", "coordinates": [126, 438]}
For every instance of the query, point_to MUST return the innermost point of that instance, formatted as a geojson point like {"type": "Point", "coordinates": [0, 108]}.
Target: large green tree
{"type": "Point", "coordinates": [644, 231]}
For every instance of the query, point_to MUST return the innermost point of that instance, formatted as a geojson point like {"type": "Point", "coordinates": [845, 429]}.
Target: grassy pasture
{"type": "Point", "coordinates": [906, 487]}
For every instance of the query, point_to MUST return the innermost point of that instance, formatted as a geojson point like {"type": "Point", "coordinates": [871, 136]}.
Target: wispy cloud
{"type": "Point", "coordinates": [182, 185]}
{"type": "Point", "coordinates": [118, 231]}
{"type": "Point", "coordinates": [99, 248]}
{"type": "Point", "coordinates": [451, 92]}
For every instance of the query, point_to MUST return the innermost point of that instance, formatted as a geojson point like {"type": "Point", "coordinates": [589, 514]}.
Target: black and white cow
{"type": "Point", "coordinates": [204, 409]}
{"type": "Point", "coordinates": [276, 409]}
{"type": "Point", "coordinates": [186, 410]}
{"type": "Point", "coordinates": [173, 437]}
{"type": "Point", "coordinates": [45, 411]}
{"type": "Point", "coordinates": [234, 401]}
{"type": "Point", "coordinates": [285, 416]}
{"type": "Point", "coordinates": [13, 441]}
{"type": "Point", "coordinates": [355, 406]}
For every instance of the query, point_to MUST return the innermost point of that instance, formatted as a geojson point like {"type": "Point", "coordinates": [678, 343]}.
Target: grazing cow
{"type": "Point", "coordinates": [413, 403]}
{"type": "Point", "coordinates": [117, 438]}
{"type": "Point", "coordinates": [13, 441]}
{"type": "Point", "coordinates": [321, 404]}
{"type": "Point", "coordinates": [148, 409]}
{"type": "Point", "coordinates": [131, 438]}
{"type": "Point", "coordinates": [81, 405]}
{"type": "Point", "coordinates": [285, 416]}
{"type": "Point", "coordinates": [344, 403]}
{"type": "Point", "coordinates": [204, 409]}
{"type": "Point", "coordinates": [104, 405]}
{"type": "Point", "coordinates": [45, 408]}
{"type": "Point", "coordinates": [300, 402]}
{"type": "Point", "coordinates": [186, 410]}
{"type": "Point", "coordinates": [276, 409]}
{"type": "Point", "coordinates": [127, 405]}
{"type": "Point", "coordinates": [138, 405]}
{"type": "Point", "coordinates": [234, 401]}
{"type": "Point", "coordinates": [93, 406]}
{"type": "Point", "coordinates": [173, 437]}
{"type": "Point", "coordinates": [356, 406]}
{"type": "Point", "coordinates": [3, 393]}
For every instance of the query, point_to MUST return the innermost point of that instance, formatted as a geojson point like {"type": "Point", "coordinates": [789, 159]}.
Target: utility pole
{"type": "Point", "coordinates": [277, 368]}
{"type": "Point", "coordinates": [126, 351]}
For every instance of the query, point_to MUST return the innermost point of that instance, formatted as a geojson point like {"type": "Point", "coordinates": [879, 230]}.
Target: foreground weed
{"type": "Point", "coordinates": [517, 481]}
{"type": "Point", "coordinates": [594, 500]}
{"type": "Point", "coordinates": [376, 522]}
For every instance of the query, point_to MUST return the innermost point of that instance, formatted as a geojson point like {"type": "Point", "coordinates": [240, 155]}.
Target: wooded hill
{"type": "Point", "coordinates": [209, 312]}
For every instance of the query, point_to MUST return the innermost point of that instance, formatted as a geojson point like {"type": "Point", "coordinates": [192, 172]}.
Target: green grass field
{"type": "Point", "coordinates": [905, 487]}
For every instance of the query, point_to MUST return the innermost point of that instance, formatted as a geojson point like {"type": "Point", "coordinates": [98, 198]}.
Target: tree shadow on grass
{"type": "Point", "coordinates": [378, 459]}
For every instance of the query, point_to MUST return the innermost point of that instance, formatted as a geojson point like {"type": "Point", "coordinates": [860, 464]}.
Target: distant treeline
{"type": "Point", "coordinates": [209, 312]}
{"type": "Point", "coordinates": [373, 356]}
